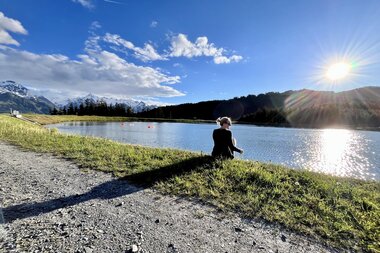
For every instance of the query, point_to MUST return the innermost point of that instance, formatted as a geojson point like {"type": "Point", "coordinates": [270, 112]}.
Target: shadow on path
{"type": "Point", "coordinates": [149, 178]}
{"type": "Point", "coordinates": [110, 189]}
{"type": "Point", "coordinates": [1, 216]}
{"type": "Point", "coordinates": [3, 233]}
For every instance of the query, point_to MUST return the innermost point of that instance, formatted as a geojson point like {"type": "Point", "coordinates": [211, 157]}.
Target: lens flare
{"type": "Point", "coordinates": [345, 63]}
{"type": "Point", "coordinates": [338, 71]}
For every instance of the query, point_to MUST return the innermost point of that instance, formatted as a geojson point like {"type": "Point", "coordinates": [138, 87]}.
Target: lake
{"type": "Point", "coordinates": [339, 152]}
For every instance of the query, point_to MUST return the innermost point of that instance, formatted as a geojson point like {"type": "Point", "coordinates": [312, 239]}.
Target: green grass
{"type": "Point", "coordinates": [53, 119]}
{"type": "Point", "coordinates": [342, 212]}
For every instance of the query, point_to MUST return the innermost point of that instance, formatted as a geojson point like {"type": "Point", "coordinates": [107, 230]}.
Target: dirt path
{"type": "Point", "coordinates": [50, 205]}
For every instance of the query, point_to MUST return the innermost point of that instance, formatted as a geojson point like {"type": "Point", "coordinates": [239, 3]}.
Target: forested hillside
{"type": "Point", "coordinates": [358, 107]}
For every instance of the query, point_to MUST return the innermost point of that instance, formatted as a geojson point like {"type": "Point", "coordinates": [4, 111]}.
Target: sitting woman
{"type": "Point", "coordinates": [224, 144]}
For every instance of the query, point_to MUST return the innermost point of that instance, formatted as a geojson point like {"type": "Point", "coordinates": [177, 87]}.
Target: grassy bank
{"type": "Point", "coordinates": [343, 212]}
{"type": "Point", "coordinates": [53, 119]}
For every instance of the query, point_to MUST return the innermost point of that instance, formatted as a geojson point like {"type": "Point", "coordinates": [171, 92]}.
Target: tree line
{"type": "Point", "coordinates": [91, 107]}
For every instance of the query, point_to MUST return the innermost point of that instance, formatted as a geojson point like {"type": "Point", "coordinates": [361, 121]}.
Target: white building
{"type": "Point", "coordinates": [16, 114]}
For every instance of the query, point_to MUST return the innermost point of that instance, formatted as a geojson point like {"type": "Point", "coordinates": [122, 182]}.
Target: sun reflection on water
{"type": "Point", "coordinates": [338, 152]}
{"type": "Point", "coordinates": [335, 146]}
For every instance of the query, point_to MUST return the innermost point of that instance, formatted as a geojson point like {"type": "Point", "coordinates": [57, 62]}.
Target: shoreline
{"type": "Point", "coordinates": [54, 119]}
{"type": "Point", "coordinates": [310, 203]}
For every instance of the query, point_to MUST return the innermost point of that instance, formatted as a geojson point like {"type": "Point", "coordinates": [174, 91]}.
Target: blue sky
{"type": "Point", "coordinates": [187, 51]}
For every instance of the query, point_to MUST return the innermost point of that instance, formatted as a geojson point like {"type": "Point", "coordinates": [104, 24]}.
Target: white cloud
{"type": "Point", "coordinates": [114, 2]}
{"type": "Point", "coordinates": [54, 95]}
{"type": "Point", "coordinates": [236, 58]}
{"type": "Point", "coordinates": [147, 53]}
{"type": "Point", "coordinates": [152, 101]}
{"type": "Point", "coordinates": [154, 24]}
{"type": "Point", "coordinates": [10, 25]}
{"type": "Point", "coordinates": [99, 72]}
{"type": "Point", "coordinates": [95, 25]}
{"type": "Point", "coordinates": [85, 3]}
{"type": "Point", "coordinates": [182, 46]}
{"type": "Point", "coordinates": [224, 59]}
{"type": "Point", "coordinates": [92, 43]}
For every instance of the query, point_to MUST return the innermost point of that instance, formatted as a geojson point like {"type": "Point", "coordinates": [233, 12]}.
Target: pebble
{"type": "Point", "coordinates": [171, 248]}
{"type": "Point", "coordinates": [133, 248]}
{"type": "Point", "coordinates": [87, 250]}
{"type": "Point", "coordinates": [119, 204]}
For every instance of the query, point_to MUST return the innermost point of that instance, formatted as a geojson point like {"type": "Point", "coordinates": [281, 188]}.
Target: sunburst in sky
{"type": "Point", "coordinates": [338, 71]}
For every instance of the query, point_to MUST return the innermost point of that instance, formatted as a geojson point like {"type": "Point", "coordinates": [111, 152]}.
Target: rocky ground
{"type": "Point", "coordinates": [51, 205]}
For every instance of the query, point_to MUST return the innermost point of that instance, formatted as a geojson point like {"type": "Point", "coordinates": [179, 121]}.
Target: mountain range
{"type": "Point", "coordinates": [135, 105]}
{"type": "Point", "coordinates": [17, 97]}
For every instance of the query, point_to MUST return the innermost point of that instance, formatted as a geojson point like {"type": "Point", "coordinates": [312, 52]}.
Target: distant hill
{"type": "Point", "coordinates": [16, 96]}
{"type": "Point", "coordinates": [306, 108]}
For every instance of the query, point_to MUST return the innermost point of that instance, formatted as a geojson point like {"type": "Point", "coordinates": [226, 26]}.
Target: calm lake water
{"type": "Point", "coordinates": [335, 151]}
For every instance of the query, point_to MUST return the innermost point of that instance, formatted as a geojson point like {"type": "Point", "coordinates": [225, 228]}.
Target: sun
{"type": "Point", "coordinates": [338, 71]}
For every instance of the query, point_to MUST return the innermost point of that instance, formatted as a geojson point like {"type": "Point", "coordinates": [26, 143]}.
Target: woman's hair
{"type": "Point", "coordinates": [224, 120]}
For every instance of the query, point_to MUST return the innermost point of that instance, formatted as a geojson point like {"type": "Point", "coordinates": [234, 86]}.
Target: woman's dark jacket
{"type": "Point", "coordinates": [223, 145]}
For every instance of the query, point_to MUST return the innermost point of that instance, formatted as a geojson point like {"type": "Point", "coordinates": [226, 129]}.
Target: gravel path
{"type": "Point", "coordinates": [51, 205]}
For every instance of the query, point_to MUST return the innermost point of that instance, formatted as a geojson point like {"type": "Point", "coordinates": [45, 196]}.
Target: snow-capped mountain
{"type": "Point", "coordinates": [137, 106]}
{"type": "Point", "coordinates": [18, 97]}
{"type": "Point", "coordinates": [14, 88]}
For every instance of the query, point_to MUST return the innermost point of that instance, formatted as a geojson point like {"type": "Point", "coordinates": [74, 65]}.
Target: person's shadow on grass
{"type": "Point", "coordinates": [110, 189]}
